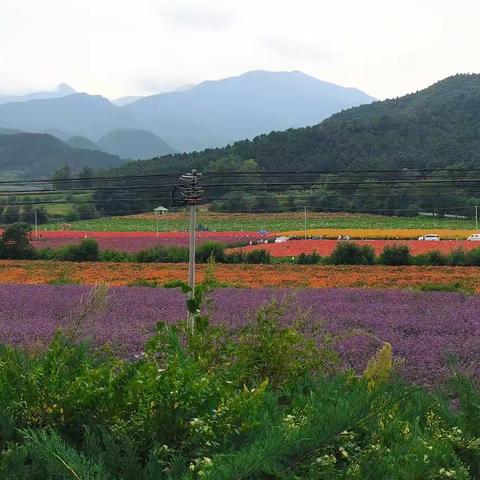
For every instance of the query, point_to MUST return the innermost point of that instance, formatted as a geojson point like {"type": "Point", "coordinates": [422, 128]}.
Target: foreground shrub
{"type": "Point", "coordinates": [395, 255]}
{"type": "Point", "coordinates": [264, 400]}
{"type": "Point", "coordinates": [349, 253]}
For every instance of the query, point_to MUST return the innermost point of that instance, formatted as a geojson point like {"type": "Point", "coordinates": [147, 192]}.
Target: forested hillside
{"type": "Point", "coordinates": [438, 127]}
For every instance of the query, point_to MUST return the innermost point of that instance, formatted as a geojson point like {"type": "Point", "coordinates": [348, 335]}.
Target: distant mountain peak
{"type": "Point", "coordinates": [64, 89]}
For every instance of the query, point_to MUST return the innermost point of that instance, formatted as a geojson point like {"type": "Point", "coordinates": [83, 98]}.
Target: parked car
{"type": "Point", "coordinates": [475, 237]}
{"type": "Point", "coordinates": [282, 239]}
{"type": "Point", "coordinates": [430, 237]}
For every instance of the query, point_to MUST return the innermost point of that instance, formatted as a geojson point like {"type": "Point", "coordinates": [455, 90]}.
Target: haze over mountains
{"type": "Point", "coordinates": [61, 91]}
{"type": "Point", "coordinates": [210, 114]}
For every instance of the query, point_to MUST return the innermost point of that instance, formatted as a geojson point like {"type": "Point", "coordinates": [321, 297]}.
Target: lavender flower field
{"type": "Point", "coordinates": [429, 332]}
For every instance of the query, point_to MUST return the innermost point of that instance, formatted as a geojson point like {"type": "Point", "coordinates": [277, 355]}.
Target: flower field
{"type": "Point", "coordinates": [136, 241]}
{"type": "Point", "coordinates": [425, 329]}
{"type": "Point", "coordinates": [277, 222]}
{"type": "Point", "coordinates": [326, 247]}
{"type": "Point", "coordinates": [247, 276]}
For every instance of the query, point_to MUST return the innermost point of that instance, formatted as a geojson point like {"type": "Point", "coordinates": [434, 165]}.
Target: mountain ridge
{"type": "Point", "coordinates": [210, 114]}
{"type": "Point", "coordinates": [62, 89]}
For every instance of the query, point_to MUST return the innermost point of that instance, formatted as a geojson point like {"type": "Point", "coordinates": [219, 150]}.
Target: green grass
{"type": "Point", "coordinates": [270, 222]}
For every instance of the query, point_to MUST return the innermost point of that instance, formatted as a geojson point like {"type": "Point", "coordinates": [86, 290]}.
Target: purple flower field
{"type": "Point", "coordinates": [426, 330]}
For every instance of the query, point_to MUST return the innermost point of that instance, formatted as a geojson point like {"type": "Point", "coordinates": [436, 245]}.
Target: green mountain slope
{"type": "Point", "coordinates": [33, 154]}
{"type": "Point", "coordinates": [435, 127]}
{"type": "Point", "coordinates": [82, 142]}
{"type": "Point", "coordinates": [131, 143]}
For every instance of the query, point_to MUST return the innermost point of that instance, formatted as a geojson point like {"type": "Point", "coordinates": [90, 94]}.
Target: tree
{"type": "Point", "coordinates": [59, 176]}
{"type": "Point", "coordinates": [15, 242]}
{"type": "Point", "coordinates": [85, 174]}
{"type": "Point", "coordinates": [42, 214]}
{"type": "Point", "coordinates": [85, 211]}
{"type": "Point", "coordinates": [26, 214]}
{"type": "Point", "coordinates": [11, 214]}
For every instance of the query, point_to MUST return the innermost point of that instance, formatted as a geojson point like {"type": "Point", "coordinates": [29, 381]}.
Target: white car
{"type": "Point", "coordinates": [282, 239]}
{"type": "Point", "coordinates": [431, 237]}
{"type": "Point", "coordinates": [475, 237]}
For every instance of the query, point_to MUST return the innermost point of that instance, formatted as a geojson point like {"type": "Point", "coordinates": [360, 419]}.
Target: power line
{"type": "Point", "coordinates": [239, 173]}
{"type": "Point", "coordinates": [440, 183]}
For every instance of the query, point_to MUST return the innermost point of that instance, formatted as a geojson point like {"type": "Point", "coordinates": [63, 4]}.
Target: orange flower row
{"type": "Point", "coordinates": [249, 276]}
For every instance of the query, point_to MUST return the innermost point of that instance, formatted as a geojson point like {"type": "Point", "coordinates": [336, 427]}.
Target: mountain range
{"type": "Point", "coordinates": [211, 114]}
{"type": "Point", "coordinates": [435, 127]}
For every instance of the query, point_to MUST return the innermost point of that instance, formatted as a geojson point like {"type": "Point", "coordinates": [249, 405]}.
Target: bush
{"type": "Point", "coordinates": [458, 257]}
{"type": "Point", "coordinates": [162, 254]}
{"type": "Point", "coordinates": [235, 257]}
{"type": "Point", "coordinates": [473, 257]}
{"type": "Point", "coordinates": [434, 258]}
{"type": "Point", "coordinates": [395, 255]}
{"type": "Point", "coordinates": [86, 251]}
{"type": "Point", "coordinates": [115, 256]}
{"type": "Point", "coordinates": [173, 284]}
{"type": "Point", "coordinates": [257, 256]}
{"type": "Point", "coordinates": [309, 259]}
{"type": "Point", "coordinates": [445, 287]}
{"type": "Point", "coordinates": [349, 253]}
{"type": "Point", "coordinates": [207, 250]}
{"type": "Point", "coordinates": [143, 282]}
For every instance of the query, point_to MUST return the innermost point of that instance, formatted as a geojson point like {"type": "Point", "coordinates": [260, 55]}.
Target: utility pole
{"type": "Point", "coordinates": [476, 217]}
{"type": "Point", "coordinates": [305, 221]}
{"type": "Point", "coordinates": [190, 194]}
{"type": "Point", "coordinates": [36, 223]}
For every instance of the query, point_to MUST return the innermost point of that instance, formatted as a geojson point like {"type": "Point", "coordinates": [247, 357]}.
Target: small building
{"type": "Point", "coordinates": [160, 210]}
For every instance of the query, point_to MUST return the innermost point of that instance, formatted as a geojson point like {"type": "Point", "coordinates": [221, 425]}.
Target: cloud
{"type": "Point", "coordinates": [300, 50]}
{"type": "Point", "coordinates": [199, 16]}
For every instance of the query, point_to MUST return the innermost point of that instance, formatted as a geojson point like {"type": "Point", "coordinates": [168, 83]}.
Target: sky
{"type": "Point", "coordinates": [386, 48]}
